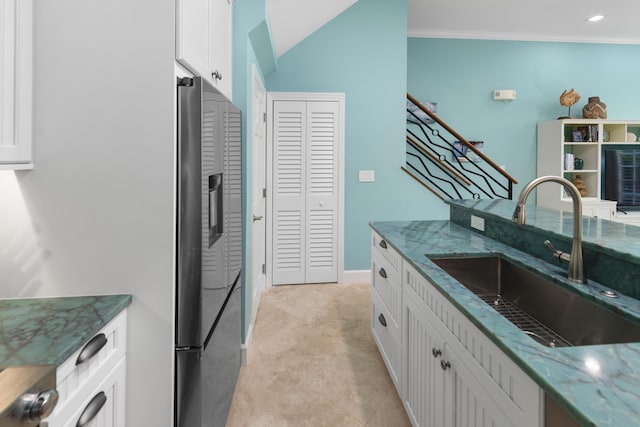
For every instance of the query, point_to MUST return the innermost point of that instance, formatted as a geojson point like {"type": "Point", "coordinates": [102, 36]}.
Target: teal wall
{"type": "Point", "coordinates": [460, 76]}
{"type": "Point", "coordinates": [362, 52]}
{"type": "Point", "coordinates": [249, 18]}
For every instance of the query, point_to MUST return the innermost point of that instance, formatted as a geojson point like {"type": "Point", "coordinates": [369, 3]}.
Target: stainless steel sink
{"type": "Point", "coordinates": [543, 310]}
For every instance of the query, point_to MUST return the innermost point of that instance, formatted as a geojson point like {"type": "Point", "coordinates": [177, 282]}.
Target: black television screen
{"type": "Point", "coordinates": [622, 176]}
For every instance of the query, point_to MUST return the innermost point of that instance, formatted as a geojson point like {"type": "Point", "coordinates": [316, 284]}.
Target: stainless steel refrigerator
{"type": "Point", "coordinates": [209, 254]}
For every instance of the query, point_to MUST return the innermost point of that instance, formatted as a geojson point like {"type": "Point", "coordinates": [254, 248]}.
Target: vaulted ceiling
{"type": "Point", "coordinates": [541, 20]}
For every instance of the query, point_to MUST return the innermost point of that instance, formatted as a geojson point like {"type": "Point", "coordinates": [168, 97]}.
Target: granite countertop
{"type": "Point", "coordinates": [46, 331]}
{"type": "Point", "coordinates": [614, 237]}
{"type": "Point", "coordinates": [598, 384]}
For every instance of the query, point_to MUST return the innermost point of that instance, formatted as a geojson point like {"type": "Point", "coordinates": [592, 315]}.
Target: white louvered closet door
{"type": "Point", "coordinates": [305, 201]}
{"type": "Point", "coordinates": [321, 211]}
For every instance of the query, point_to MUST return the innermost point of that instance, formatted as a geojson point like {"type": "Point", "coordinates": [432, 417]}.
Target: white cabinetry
{"type": "Point", "coordinates": [440, 389]}
{"type": "Point", "coordinates": [448, 373]}
{"type": "Point", "coordinates": [221, 45]}
{"type": "Point", "coordinates": [204, 40]}
{"type": "Point", "coordinates": [16, 83]}
{"type": "Point", "coordinates": [386, 302]}
{"type": "Point", "coordinates": [453, 375]}
{"type": "Point", "coordinates": [94, 389]}
{"type": "Point", "coordinates": [560, 142]}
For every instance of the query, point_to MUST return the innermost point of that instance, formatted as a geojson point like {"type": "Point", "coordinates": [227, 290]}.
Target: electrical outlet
{"type": "Point", "coordinates": [477, 223]}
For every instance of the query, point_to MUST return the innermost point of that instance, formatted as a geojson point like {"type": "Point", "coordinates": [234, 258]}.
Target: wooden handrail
{"type": "Point", "coordinates": [449, 169]}
{"type": "Point", "coordinates": [461, 139]}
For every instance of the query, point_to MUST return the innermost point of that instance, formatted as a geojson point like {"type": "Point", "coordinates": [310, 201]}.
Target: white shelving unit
{"type": "Point", "coordinates": [583, 139]}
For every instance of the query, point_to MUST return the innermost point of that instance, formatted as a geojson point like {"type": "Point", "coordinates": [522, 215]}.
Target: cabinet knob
{"type": "Point", "coordinates": [382, 273]}
{"type": "Point", "coordinates": [436, 352]}
{"type": "Point", "coordinates": [445, 365]}
{"type": "Point", "coordinates": [216, 75]}
{"type": "Point", "coordinates": [383, 244]}
{"type": "Point", "coordinates": [382, 320]}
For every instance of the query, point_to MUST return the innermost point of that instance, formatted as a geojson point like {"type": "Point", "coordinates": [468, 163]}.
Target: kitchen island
{"type": "Point", "coordinates": [595, 384]}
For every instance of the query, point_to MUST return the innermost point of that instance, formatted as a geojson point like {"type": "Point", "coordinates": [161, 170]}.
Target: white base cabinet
{"type": "Point", "coordinates": [386, 300]}
{"type": "Point", "coordinates": [447, 372]}
{"type": "Point", "coordinates": [94, 389]}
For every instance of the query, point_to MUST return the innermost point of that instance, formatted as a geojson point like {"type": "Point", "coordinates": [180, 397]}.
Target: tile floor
{"type": "Point", "coordinates": [313, 362]}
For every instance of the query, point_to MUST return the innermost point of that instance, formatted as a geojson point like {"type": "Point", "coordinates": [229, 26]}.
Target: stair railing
{"type": "Point", "coordinates": [435, 162]}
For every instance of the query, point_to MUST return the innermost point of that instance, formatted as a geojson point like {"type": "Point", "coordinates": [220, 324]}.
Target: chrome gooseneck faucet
{"type": "Point", "coordinates": [576, 266]}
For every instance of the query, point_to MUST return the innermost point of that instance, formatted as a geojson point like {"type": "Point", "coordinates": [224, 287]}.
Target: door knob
{"type": "Point", "coordinates": [257, 217]}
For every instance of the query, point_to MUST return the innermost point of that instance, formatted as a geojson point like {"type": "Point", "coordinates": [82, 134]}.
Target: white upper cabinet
{"type": "Point", "coordinates": [192, 38]}
{"type": "Point", "coordinates": [16, 83]}
{"type": "Point", "coordinates": [203, 40]}
{"type": "Point", "coordinates": [221, 47]}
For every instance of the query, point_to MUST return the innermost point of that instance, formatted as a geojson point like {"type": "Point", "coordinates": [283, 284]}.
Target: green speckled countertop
{"type": "Point", "coordinates": [46, 331]}
{"type": "Point", "coordinates": [598, 385]}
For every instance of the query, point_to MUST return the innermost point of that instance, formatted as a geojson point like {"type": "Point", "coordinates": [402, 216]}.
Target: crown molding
{"type": "Point", "coordinates": [480, 35]}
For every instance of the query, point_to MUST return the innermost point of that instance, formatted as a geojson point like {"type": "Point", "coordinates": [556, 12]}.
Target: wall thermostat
{"type": "Point", "coordinates": [504, 95]}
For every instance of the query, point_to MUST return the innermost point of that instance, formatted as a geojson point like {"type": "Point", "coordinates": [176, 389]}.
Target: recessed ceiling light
{"type": "Point", "coordinates": [595, 18]}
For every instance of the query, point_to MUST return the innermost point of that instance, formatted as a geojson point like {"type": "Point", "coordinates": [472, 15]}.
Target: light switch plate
{"type": "Point", "coordinates": [366, 176]}
{"type": "Point", "coordinates": [477, 223]}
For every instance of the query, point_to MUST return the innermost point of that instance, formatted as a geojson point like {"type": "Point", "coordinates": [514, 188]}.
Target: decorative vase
{"type": "Point", "coordinates": [595, 109]}
{"type": "Point", "coordinates": [578, 163]}
{"type": "Point", "coordinates": [579, 183]}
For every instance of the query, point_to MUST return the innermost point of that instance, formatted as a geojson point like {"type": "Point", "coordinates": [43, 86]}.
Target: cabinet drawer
{"type": "Point", "coordinates": [382, 248]}
{"type": "Point", "coordinates": [388, 343]}
{"type": "Point", "coordinates": [76, 381]}
{"type": "Point", "coordinates": [103, 406]}
{"type": "Point", "coordinates": [386, 283]}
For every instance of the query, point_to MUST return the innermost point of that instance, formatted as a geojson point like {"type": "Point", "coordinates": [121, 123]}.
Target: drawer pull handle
{"type": "Point", "coordinates": [382, 273]}
{"type": "Point", "coordinates": [445, 365]}
{"type": "Point", "coordinates": [436, 352]}
{"type": "Point", "coordinates": [91, 348]}
{"type": "Point", "coordinates": [382, 320]}
{"type": "Point", "coordinates": [383, 244]}
{"type": "Point", "coordinates": [92, 409]}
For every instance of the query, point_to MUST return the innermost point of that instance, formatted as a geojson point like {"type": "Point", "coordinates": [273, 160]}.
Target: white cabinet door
{"type": "Point", "coordinates": [306, 148]}
{"type": "Point", "coordinates": [16, 60]}
{"type": "Point", "coordinates": [192, 35]}
{"type": "Point", "coordinates": [221, 45]}
{"type": "Point", "coordinates": [421, 345]}
{"type": "Point", "coordinates": [440, 390]}
{"type": "Point", "coordinates": [464, 400]}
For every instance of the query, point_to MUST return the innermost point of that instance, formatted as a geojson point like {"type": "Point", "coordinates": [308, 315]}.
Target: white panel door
{"type": "Point", "coordinates": [258, 196]}
{"type": "Point", "coordinates": [306, 149]}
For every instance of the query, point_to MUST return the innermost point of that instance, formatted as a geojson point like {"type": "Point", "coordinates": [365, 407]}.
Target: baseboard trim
{"type": "Point", "coordinates": [244, 348]}
{"type": "Point", "coordinates": [356, 276]}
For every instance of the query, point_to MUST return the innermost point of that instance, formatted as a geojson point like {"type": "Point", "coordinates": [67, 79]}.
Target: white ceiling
{"type": "Point", "coordinates": [540, 20]}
